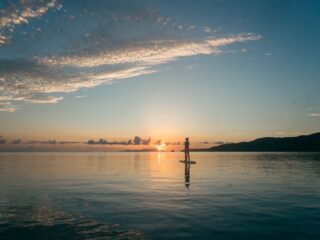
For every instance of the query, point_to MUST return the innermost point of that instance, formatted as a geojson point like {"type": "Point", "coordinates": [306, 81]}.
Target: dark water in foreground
{"type": "Point", "coordinates": [146, 196]}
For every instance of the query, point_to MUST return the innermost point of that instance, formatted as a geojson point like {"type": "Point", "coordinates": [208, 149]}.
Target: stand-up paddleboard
{"type": "Point", "coordinates": [190, 162]}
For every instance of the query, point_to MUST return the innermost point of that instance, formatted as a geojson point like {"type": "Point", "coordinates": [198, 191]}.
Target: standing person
{"type": "Point", "coordinates": [187, 150]}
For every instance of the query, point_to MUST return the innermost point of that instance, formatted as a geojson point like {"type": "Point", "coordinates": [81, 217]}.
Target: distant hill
{"type": "Point", "coordinates": [307, 143]}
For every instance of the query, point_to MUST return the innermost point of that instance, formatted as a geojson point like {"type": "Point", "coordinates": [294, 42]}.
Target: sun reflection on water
{"type": "Point", "coordinates": [159, 157]}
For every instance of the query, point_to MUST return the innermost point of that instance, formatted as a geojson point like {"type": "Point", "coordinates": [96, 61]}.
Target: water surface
{"type": "Point", "coordinates": [153, 196]}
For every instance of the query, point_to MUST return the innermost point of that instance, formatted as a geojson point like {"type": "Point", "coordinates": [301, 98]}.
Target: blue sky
{"type": "Point", "coordinates": [212, 70]}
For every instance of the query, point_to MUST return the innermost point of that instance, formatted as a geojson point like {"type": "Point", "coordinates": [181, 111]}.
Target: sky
{"type": "Point", "coordinates": [216, 71]}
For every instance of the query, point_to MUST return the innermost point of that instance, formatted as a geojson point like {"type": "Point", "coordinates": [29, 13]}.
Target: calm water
{"type": "Point", "coordinates": [153, 196]}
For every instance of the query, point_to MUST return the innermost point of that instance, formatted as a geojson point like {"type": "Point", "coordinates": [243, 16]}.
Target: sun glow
{"type": "Point", "coordinates": [161, 146]}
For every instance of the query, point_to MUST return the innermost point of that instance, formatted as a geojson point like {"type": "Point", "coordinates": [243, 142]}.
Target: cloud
{"type": "Point", "coordinates": [17, 141]}
{"type": "Point", "coordinates": [192, 66]}
{"type": "Point", "coordinates": [49, 142]}
{"type": "Point", "coordinates": [21, 13]}
{"type": "Point", "coordinates": [32, 80]}
{"type": "Point", "coordinates": [136, 141]}
{"type": "Point", "coordinates": [6, 106]}
{"type": "Point", "coordinates": [209, 30]}
{"type": "Point", "coordinates": [151, 52]}
{"type": "Point", "coordinates": [68, 142]}
{"type": "Point", "coordinates": [81, 96]}
{"type": "Point", "coordinates": [243, 37]}
{"type": "Point", "coordinates": [314, 114]}
{"type": "Point", "coordinates": [97, 45]}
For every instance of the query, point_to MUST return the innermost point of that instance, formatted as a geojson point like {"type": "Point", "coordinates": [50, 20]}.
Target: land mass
{"type": "Point", "coordinates": [305, 143]}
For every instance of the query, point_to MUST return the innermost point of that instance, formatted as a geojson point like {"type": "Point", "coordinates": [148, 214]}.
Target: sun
{"type": "Point", "coordinates": [161, 146]}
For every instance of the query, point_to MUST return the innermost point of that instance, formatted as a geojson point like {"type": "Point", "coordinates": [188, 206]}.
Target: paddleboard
{"type": "Point", "coordinates": [190, 162]}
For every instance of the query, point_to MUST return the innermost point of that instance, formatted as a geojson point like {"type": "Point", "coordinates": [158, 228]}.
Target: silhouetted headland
{"type": "Point", "coordinates": [306, 143]}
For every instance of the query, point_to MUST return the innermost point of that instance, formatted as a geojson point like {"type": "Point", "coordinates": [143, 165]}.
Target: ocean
{"type": "Point", "coordinates": [154, 196]}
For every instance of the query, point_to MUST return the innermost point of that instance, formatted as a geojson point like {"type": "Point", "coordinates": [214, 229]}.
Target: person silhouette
{"type": "Point", "coordinates": [186, 150]}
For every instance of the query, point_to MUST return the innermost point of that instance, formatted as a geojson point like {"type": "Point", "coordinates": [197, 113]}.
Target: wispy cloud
{"type": "Point", "coordinates": [209, 30]}
{"type": "Point", "coordinates": [192, 66]}
{"type": "Point", "coordinates": [125, 44]}
{"type": "Point", "coordinates": [81, 96]}
{"type": "Point", "coordinates": [7, 106]}
{"type": "Point", "coordinates": [316, 114]}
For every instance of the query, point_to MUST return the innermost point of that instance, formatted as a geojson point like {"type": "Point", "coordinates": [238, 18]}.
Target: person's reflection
{"type": "Point", "coordinates": [187, 175]}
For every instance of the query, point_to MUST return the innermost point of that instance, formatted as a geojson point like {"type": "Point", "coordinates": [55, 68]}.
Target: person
{"type": "Point", "coordinates": [187, 150]}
